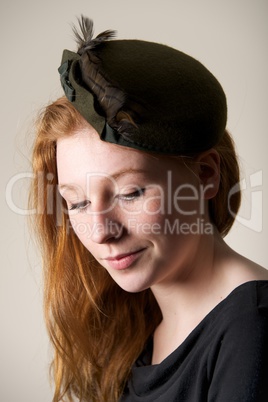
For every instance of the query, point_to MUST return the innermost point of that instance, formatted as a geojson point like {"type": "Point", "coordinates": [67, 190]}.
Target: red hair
{"type": "Point", "coordinates": [95, 341]}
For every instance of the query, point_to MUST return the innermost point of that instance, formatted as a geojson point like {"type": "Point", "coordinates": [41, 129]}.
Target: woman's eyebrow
{"type": "Point", "coordinates": [127, 171]}
{"type": "Point", "coordinates": [115, 176]}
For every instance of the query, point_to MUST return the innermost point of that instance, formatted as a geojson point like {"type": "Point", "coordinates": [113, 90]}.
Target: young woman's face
{"type": "Point", "coordinates": [139, 215]}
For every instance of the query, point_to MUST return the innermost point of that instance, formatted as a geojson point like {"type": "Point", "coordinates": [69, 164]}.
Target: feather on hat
{"type": "Point", "coordinates": [143, 95]}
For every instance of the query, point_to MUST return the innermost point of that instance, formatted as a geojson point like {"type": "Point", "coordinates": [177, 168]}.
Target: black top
{"type": "Point", "coordinates": [224, 359]}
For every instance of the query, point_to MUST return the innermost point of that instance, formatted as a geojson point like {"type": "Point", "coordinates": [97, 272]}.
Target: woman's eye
{"type": "Point", "coordinates": [132, 196]}
{"type": "Point", "coordinates": [80, 206]}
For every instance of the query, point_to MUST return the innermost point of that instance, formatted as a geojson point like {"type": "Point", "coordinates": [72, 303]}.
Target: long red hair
{"type": "Point", "coordinates": [97, 329]}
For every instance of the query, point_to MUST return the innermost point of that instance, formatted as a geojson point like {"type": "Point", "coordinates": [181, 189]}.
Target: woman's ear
{"type": "Point", "coordinates": [208, 170]}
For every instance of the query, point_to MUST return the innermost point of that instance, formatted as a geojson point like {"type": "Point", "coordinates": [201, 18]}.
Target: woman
{"type": "Point", "coordinates": [144, 300]}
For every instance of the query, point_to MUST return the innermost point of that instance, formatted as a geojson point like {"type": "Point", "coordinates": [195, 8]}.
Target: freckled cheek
{"type": "Point", "coordinates": [82, 227]}
{"type": "Point", "coordinates": [147, 220]}
{"type": "Point", "coordinates": [154, 206]}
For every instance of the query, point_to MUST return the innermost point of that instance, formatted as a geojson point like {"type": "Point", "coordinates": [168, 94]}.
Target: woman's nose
{"type": "Point", "coordinates": [104, 227]}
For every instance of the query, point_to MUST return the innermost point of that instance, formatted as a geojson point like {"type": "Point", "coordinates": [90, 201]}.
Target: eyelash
{"type": "Point", "coordinates": [81, 206]}
{"type": "Point", "coordinates": [132, 196]}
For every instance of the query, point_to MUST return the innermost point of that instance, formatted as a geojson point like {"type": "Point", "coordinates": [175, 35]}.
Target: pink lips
{"type": "Point", "coordinates": [124, 261]}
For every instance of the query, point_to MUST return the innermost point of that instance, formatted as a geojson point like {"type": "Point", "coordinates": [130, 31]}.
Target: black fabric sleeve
{"type": "Point", "coordinates": [241, 368]}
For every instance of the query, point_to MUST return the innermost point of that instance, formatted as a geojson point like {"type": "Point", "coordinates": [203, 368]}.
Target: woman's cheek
{"type": "Point", "coordinates": [148, 221]}
{"type": "Point", "coordinates": [81, 227]}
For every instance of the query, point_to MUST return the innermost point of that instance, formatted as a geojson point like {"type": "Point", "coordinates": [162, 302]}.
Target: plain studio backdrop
{"type": "Point", "coordinates": [229, 37]}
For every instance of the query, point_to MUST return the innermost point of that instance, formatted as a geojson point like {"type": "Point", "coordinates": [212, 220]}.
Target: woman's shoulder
{"type": "Point", "coordinates": [251, 295]}
{"type": "Point", "coordinates": [249, 280]}
{"type": "Point", "coordinates": [248, 271]}
{"type": "Point", "coordinates": [239, 270]}
{"type": "Point", "coordinates": [245, 310]}
{"type": "Point", "coordinates": [245, 285]}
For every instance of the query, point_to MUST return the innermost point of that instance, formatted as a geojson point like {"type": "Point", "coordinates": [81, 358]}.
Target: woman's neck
{"type": "Point", "coordinates": [215, 272]}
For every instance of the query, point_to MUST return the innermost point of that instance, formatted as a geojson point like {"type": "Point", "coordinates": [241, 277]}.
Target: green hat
{"type": "Point", "coordinates": [143, 95]}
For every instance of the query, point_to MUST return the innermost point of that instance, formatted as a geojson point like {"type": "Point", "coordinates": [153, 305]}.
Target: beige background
{"type": "Point", "coordinates": [229, 37]}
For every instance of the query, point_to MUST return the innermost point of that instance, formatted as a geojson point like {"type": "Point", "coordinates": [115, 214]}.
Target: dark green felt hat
{"type": "Point", "coordinates": [143, 95]}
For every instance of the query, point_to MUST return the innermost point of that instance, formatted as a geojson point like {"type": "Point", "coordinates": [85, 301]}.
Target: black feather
{"type": "Point", "coordinates": [85, 40]}
{"type": "Point", "coordinates": [109, 96]}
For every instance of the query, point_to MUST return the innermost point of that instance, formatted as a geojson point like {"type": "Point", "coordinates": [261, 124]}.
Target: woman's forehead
{"type": "Point", "coordinates": [84, 152]}
{"type": "Point", "coordinates": [86, 144]}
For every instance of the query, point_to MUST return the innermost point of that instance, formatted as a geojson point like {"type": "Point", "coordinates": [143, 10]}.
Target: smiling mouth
{"type": "Point", "coordinates": [123, 261]}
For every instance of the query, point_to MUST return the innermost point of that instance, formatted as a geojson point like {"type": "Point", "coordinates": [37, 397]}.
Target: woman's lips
{"type": "Point", "coordinates": [123, 261]}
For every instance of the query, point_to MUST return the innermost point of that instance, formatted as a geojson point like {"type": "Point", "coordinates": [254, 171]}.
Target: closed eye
{"type": "Point", "coordinates": [79, 206]}
{"type": "Point", "coordinates": [132, 196]}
